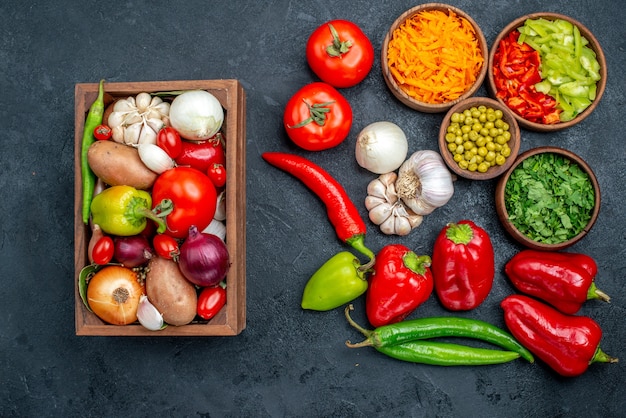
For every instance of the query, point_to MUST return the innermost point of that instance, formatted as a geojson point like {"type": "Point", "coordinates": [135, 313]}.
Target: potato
{"type": "Point", "coordinates": [119, 164]}
{"type": "Point", "coordinates": [168, 290]}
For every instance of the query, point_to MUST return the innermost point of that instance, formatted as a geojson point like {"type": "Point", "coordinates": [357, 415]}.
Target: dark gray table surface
{"type": "Point", "coordinates": [287, 362]}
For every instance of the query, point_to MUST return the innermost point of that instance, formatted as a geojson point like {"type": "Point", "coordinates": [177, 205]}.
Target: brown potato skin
{"type": "Point", "coordinates": [119, 164]}
{"type": "Point", "coordinates": [168, 290]}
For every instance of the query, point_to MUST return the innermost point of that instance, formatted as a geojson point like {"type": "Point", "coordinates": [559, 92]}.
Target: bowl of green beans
{"type": "Point", "coordinates": [549, 199]}
{"type": "Point", "coordinates": [479, 138]}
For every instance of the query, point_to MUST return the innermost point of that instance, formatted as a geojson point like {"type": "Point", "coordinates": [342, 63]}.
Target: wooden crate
{"type": "Point", "coordinates": [232, 318]}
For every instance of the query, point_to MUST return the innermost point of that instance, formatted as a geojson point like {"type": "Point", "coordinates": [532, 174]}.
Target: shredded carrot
{"type": "Point", "coordinates": [435, 56]}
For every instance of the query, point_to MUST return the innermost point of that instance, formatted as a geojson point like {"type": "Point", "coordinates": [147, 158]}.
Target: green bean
{"type": "Point", "coordinates": [94, 118]}
{"type": "Point", "coordinates": [436, 327]}
{"type": "Point", "coordinates": [446, 354]}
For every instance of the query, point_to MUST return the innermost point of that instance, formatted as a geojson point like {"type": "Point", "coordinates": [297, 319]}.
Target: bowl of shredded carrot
{"type": "Point", "coordinates": [433, 56]}
{"type": "Point", "coordinates": [549, 69]}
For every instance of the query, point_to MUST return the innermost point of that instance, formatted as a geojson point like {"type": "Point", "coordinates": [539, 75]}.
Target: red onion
{"type": "Point", "coordinates": [203, 258]}
{"type": "Point", "coordinates": [132, 251]}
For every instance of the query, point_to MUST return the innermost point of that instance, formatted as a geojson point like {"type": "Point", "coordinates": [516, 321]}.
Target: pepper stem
{"type": "Point", "coordinates": [459, 233]}
{"type": "Point", "coordinates": [366, 332]}
{"type": "Point", "coordinates": [601, 357]}
{"type": "Point", "coordinates": [158, 214]}
{"type": "Point", "coordinates": [358, 243]}
{"type": "Point", "coordinates": [595, 293]}
{"type": "Point", "coordinates": [416, 263]}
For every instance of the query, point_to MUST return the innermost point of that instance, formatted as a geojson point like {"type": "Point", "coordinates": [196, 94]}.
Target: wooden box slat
{"type": "Point", "coordinates": [232, 318]}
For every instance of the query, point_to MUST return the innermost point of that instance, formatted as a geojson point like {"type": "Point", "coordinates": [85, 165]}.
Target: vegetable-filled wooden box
{"type": "Point", "coordinates": [231, 318]}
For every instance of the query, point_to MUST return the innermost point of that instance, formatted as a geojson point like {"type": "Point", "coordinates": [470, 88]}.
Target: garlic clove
{"type": "Point", "coordinates": [379, 214]}
{"type": "Point", "coordinates": [131, 118]}
{"type": "Point", "coordinates": [124, 105]}
{"type": "Point", "coordinates": [142, 101]}
{"type": "Point", "coordinates": [131, 134]}
{"type": "Point", "coordinates": [117, 134]}
{"type": "Point", "coordinates": [216, 228]}
{"type": "Point", "coordinates": [372, 201]}
{"type": "Point", "coordinates": [147, 135]}
{"type": "Point", "coordinates": [148, 315]}
{"type": "Point", "coordinates": [220, 207]}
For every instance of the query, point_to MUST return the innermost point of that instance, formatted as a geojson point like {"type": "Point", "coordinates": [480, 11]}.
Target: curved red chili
{"type": "Point", "coordinates": [342, 212]}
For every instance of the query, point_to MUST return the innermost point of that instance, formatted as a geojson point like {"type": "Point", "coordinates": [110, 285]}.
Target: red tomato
{"type": "Point", "coordinates": [193, 197]}
{"type": "Point", "coordinates": [102, 133]}
{"type": "Point", "coordinates": [217, 174]}
{"type": "Point", "coordinates": [169, 140]}
{"type": "Point", "coordinates": [166, 246]}
{"type": "Point", "coordinates": [340, 53]}
{"type": "Point", "coordinates": [317, 117]}
{"type": "Point", "coordinates": [103, 250]}
{"type": "Point", "coordinates": [201, 154]}
{"type": "Point", "coordinates": [210, 301]}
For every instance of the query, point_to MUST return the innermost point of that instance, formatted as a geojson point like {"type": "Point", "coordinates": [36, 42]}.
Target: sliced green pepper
{"type": "Point", "coordinates": [124, 210]}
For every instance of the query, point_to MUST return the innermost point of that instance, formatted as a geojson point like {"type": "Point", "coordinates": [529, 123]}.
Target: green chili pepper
{"type": "Point", "coordinates": [434, 327]}
{"type": "Point", "coordinates": [94, 118]}
{"type": "Point", "coordinates": [124, 210]}
{"type": "Point", "coordinates": [340, 280]}
{"type": "Point", "coordinates": [446, 354]}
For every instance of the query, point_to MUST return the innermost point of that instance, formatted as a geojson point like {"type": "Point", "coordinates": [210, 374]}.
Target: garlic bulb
{"type": "Point", "coordinates": [137, 120]}
{"type": "Point", "coordinates": [386, 210]}
{"type": "Point", "coordinates": [424, 182]}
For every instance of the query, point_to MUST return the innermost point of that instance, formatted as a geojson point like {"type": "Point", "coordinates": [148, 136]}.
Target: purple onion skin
{"type": "Point", "coordinates": [204, 258]}
{"type": "Point", "coordinates": [133, 251]}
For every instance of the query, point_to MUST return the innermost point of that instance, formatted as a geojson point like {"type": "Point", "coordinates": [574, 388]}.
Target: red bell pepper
{"type": "Point", "coordinates": [400, 282]}
{"type": "Point", "coordinates": [564, 280]}
{"type": "Point", "coordinates": [515, 73]}
{"type": "Point", "coordinates": [463, 265]}
{"type": "Point", "coordinates": [566, 343]}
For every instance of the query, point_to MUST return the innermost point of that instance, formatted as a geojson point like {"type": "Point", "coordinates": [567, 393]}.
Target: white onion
{"type": "Point", "coordinates": [196, 115]}
{"type": "Point", "coordinates": [381, 147]}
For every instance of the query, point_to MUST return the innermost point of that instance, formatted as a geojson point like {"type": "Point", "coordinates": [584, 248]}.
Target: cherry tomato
{"type": "Point", "coordinates": [166, 246]}
{"type": "Point", "coordinates": [193, 197]}
{"type": "Point", "coordinates": [340, 53]}
{"type": "Point", "coordinates": [317, 117]}
{"type": "Point", "coordinates": [169, 140]}
{"type": "Point", "coordinates": [103, 250]}
{"type": "Point", "coordinates": [217, 174]}
{"type": "Point", "coordinates": [102, 132]}
{"type": "Point", "coordinates": [210, 301]}
{"type": "Point", "coordinates": [201, 154]}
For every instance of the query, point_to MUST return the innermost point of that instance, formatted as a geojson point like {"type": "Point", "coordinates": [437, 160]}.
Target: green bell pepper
{"type": "Point", "coordinates": [340, 280]}
{"type": "Point", "coordinates": [124, 210]}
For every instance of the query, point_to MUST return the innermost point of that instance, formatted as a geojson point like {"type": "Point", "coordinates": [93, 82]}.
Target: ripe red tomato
{"type": "Point", "coordinates": [169, 140]}
{"type": "Point", "coordinates": [217, 174]}
{"type": "Point", "coordinates": [102, 133]}
{"type": "Point", "coordinates": [166, 246]}
{"type": "Point", "coordinates": [201, 154]}
{"type": "Point", "coordinates": [210, 301]}
{"type": "Point", "coordinates": [340, 53]}
{"type": "Point", "coordinates": [317, 117]}
{"type": "Point", "coordinates": [103, 250]}
{"type": "Point", "coordinates": [193, 197]}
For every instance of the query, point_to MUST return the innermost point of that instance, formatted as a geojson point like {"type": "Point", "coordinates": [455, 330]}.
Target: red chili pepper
{"type": "Point", "coordinates": [401, 281]}
{"type": "Point", "coordinates": [564, 280]}
{"type": "Point", "coordinates": [566, 343]}
{"type": "Point", "coordinates": [343, 214]}
{"type": "Point", "coordinates": [515, 73]}
{"type": "Point", "coordinates": [463, 265]}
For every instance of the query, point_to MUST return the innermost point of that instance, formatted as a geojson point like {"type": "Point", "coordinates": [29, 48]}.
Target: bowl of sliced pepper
{"type": "Point", "coordinates": [433, 56]}
{"type": "Point", "coordinates": [549, 69]}
{"type": "Point", "coordinates": [549, 199]}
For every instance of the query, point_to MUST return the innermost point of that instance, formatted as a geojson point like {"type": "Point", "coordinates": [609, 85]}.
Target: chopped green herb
{"type": "Point", "coordinates": [549, 198]}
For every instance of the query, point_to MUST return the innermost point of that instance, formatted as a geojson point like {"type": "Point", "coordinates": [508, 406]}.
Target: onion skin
{"type": "Point", "coordinates": [133, 251]}
{"type": "Point", "coordinates": [204, 258]}
{"type": "Point", "coordinates": [113, 295]}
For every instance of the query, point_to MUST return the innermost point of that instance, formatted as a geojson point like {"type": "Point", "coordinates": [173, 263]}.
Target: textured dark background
{"type": "Point", "coordinates": [287, 362]}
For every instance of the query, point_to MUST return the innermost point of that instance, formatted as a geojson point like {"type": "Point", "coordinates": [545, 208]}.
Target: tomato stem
{"type": "Point", "coordinates": [317, 114]}
{"type": "Point", "coordinates": [338, 47]}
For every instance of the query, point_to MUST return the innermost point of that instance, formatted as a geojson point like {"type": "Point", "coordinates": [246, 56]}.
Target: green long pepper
{"type": "Point", "coordinates": [418, 329]}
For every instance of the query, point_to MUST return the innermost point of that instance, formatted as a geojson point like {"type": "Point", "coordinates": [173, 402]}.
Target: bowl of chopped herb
{"type": "Point", "coordinates": [549, 69]}
{"type": "Point", "coordinates": [433, 56]}
{"type": "Point", "coordinates": [549, 199]}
